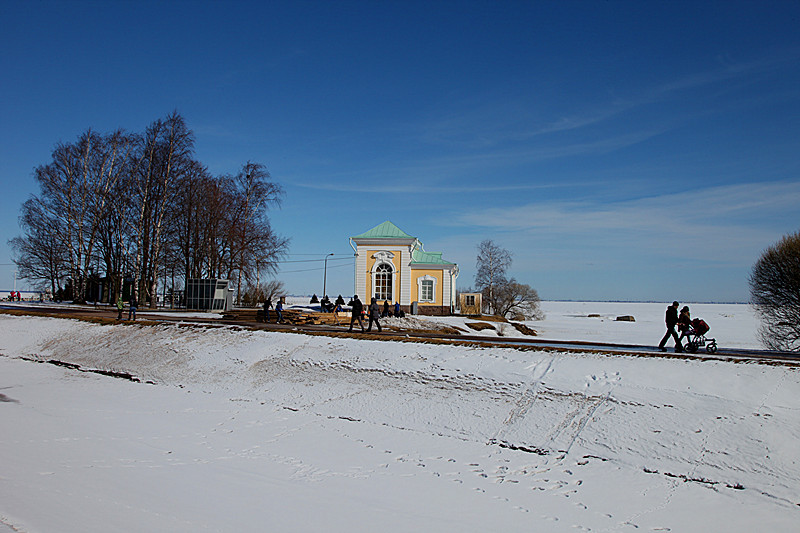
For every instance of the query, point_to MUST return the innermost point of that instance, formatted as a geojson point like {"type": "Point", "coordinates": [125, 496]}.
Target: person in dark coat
{"type": "Point", "coordinates": [671, 320]}
{"type": "Point", "coordinates": [374, 314]}
{"type": "Point", "coordinates": [279, 312]}
{"type": "Point", "coordinates": [385, 309]}
{"type": "Point", "coordinates": [267, 306]}
{"type": "Point", "coordinates": [355, 313]}
{"type": "Point", "coordinates": [397, 309]}
{"type": "Point", "coordinates": [132, 309]}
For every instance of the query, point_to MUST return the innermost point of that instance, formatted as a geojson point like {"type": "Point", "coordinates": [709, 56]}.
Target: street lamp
{"type": "Point", "coordinates": [325, 276]}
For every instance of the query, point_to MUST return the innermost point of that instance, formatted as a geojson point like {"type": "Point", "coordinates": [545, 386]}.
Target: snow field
{"type": "Point", "coordinates": [247, 428]}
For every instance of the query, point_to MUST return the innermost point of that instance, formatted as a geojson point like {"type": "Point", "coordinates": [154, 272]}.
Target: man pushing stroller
{"type": "Point", "coordinates": [693, 329]}
{"type": "Point", "coordinates": [671, 319]}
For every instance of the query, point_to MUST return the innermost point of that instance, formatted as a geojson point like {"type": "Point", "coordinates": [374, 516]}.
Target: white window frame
{"type": "Point", "coordinates": [421, 282]}
{"type": "Point", "coordinates": [391, 272]}
{"type": "Point", "coordinates": [383, 257]}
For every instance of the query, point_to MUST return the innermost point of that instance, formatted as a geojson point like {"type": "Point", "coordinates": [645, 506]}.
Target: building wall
{"type": "Point", "coordinates": [404, 279]}
{"type": "Point", "coordinates": [367, 256]}
{"type": "Point", "coordinates": [470, 309]}
{"type": "Point", "coordinates": [360, 282]}
{"type": "Point", "coordinates": [438, 299]}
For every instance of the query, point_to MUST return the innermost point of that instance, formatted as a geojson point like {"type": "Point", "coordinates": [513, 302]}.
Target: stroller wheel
{"type": "Point", "coordinates": [712, 347]}
{"type": "Point", "coordinates": [691, 346]}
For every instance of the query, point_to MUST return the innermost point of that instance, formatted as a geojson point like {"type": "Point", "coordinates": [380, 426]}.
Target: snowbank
{"type": "Point", "coordinates": [254, 430]}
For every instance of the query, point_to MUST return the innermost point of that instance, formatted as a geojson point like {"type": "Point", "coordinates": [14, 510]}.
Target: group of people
{"type": "Point", "coordinates": [387, 312]}
{"type": "Point", "coordinates": [278, 310]}
{"type": "Point", "coordinates": [682, 321]}
{"type": "Point", "coordinates": [330, 307]}
{"type": "Point", "coordinates": [374, 312]}
{"type": "Point", "coordinates": [15, 295]}
{"type": "Point", "coordinates": [358, 310]}
{"type": "Point", "coordinates": [131, 307]}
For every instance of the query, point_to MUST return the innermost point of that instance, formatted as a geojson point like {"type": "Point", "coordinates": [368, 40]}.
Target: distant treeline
{"type": "Point", "coordinates": [139, 206]}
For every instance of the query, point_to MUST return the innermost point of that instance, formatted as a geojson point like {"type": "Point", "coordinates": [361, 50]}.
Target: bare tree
{"type": "Point", "coordinates": [76, 192]}
{"type": "Point", "coordinates": [40, 255]}
{"type": "Point", "coordinates": [492, 264]}
{"type": "Point", "coordinates": [165, 158]}
{"type": "Point", "coordinates": [188, 225]}
{"type": "Point", "coordinates": [253, 295]}
{"type": "Point", "coordinates": [775, 293]}
{"type": "Point", "coordinates": [254, 246]}
{"type": "Point", "coordinates": [517, 301]}
{"type": "Point", "coordinates": [142, 207]}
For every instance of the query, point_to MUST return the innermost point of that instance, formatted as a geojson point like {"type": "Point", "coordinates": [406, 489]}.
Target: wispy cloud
{"type": "Point", "coordinates": [493, 124]}
{"type": "Point", "coordinates": [422, 188]}
{"type": "Point", "coordinates": [448, 174]}
{"type": "Point", "coordinates": [731, 202]}
{"type": "Point", "coordinates": [725, 72]}
{"type": "Point", "coordinates": [716, 224]}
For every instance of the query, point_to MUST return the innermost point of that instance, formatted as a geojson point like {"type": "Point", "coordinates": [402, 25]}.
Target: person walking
{"type": "Point", "coordinates": [385, 309]}
{"type": "Point", "coordinates": [355, 313]}
{"type": "Point", "coordinates": [267, 306]}
{"type": "Point", "coordinates": [132, 309]}
{"type": "Point", "coordinates": [279, 311]}
{"type": "Point", "coordinates": [397, 309]}
{"type": "Point", "coordinates": [671, 320]}
{"type": "Point", "coordinates": [120, 307]}
{"type": "Point", "coordinates": [336, 311]}
{"type": "Point", "coordinates": [374, 314]}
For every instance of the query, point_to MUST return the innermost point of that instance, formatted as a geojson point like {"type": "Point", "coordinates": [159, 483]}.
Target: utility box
{"type": "Point", "coordinates": [208, 295]}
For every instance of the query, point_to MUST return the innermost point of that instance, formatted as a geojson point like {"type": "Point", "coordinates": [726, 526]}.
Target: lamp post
{"type": "Point", "coordinates": [325, 276]}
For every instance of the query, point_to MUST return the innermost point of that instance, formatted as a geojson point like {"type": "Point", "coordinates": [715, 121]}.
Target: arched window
{"type": "Point", "coordinates": [383, 282]}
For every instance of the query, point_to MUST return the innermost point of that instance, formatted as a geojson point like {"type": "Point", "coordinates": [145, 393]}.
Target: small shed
{"type": "Point", "coordinates": [208, 295]}
{"type": "Point", "coordinates": [470, 303]}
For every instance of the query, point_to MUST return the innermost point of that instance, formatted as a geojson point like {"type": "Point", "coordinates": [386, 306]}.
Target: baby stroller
{"type": "Point", "coordinates": [696, 337]}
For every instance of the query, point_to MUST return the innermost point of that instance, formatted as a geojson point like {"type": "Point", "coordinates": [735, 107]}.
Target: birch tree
{"type": "Point", "coordinates": [76, 192]}
{"type": "Point", "coordinates": [165, 157]}
{"type": "Point", "coordinates": [254, 245]}
{"type": "Point", "coordinates": [492, 267]}
{"type": "Point", "coordinates": [144, 207]}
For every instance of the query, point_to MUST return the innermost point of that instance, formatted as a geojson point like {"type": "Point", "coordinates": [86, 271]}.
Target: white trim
{"type": "Point", "coordinates": [383, 256]}
{"type": "Point", "coordinates": [405, 276]}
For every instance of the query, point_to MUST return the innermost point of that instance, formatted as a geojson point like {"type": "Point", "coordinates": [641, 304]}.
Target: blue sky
{"type": "Point", "coordinates": [620, 150]}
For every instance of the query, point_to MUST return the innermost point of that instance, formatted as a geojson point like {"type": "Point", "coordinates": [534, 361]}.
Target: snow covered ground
{"type": "Point", "coordinates": [264, 431]}
{"type": "Point", "coordinates": [733, 325]}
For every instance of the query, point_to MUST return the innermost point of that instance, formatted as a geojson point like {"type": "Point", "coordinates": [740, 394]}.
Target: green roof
{"type": "Point", "coordinates": [387, 230]}
{"type": "Point", "coordinates": [420, 256]}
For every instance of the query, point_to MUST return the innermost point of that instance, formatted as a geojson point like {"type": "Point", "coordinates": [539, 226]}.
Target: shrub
{"type": "Point", "coordinates": [775, 294]}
